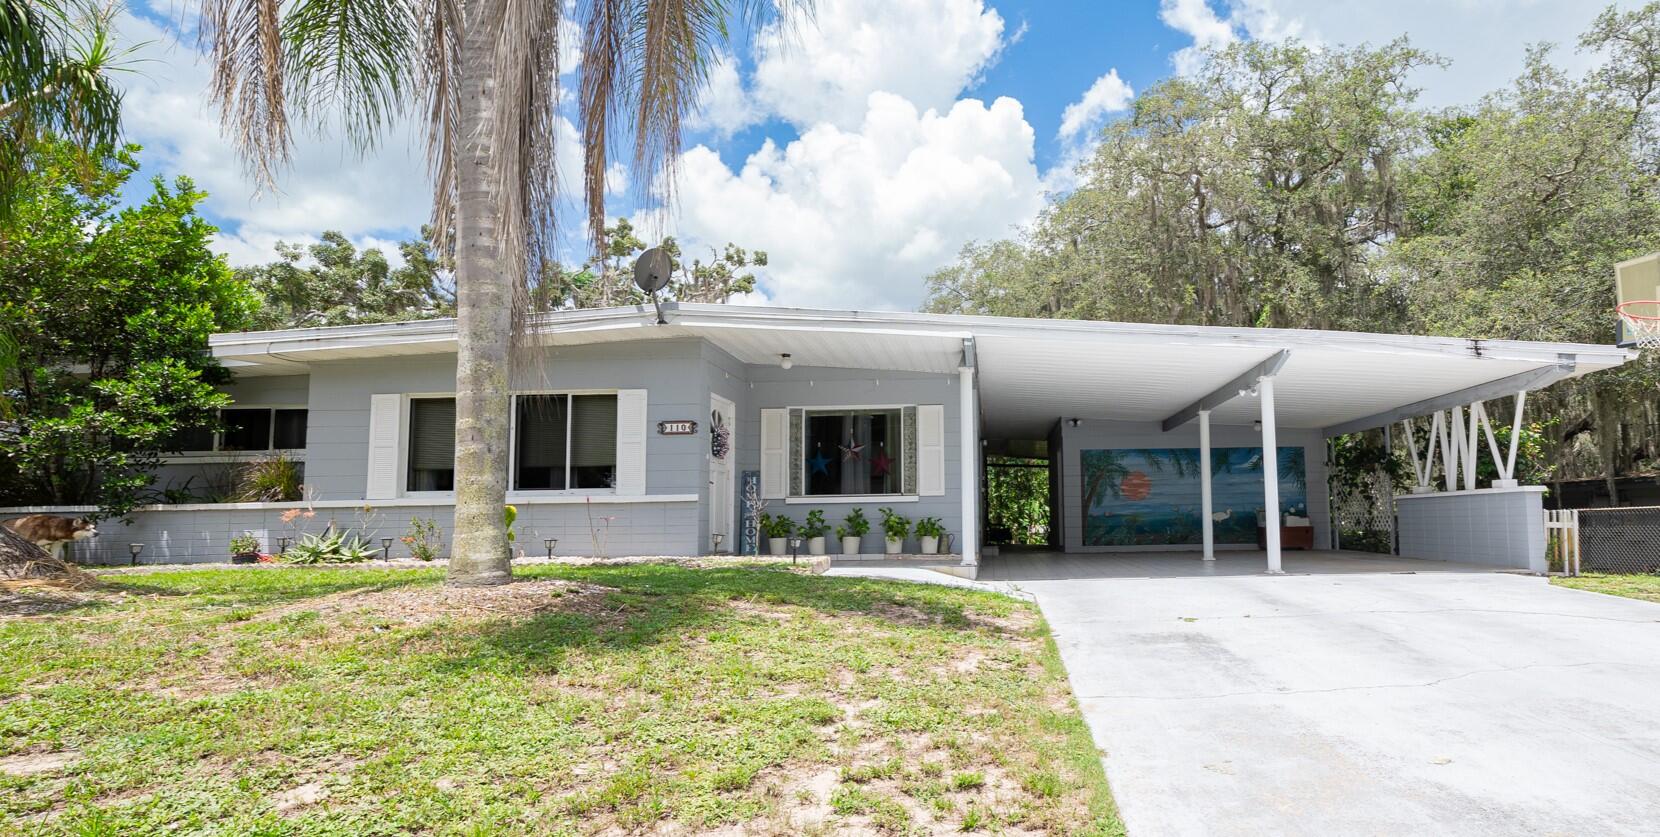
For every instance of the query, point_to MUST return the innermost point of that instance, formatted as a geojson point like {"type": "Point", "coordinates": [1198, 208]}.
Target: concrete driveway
{"type": "Point", "coordinates": [1436, 703]}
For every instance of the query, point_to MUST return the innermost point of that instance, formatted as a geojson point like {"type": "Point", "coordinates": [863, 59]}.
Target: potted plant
{"type": "Point", "coordinates": [894, 528]}
{"type": "Point", "coordinates": [852, 531]}
{"type": "Point", "coordinates": [777, 528]}
{"type": "Point", "coordinates": [245, 549]}
{"type": "Point", "coordinates": [813, 529]}
{"type": "Point", "coordinates": [929, 530]}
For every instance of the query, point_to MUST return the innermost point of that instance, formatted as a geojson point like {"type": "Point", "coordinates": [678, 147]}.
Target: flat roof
{"type": "Point", "coordinates": [1031, 372]}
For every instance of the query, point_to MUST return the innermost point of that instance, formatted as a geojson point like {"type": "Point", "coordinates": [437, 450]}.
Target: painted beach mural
{"type": "Point", "coordinates": [1137, 497]}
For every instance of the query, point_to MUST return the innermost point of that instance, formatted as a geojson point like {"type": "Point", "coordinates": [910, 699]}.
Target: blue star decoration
{"type": "Point", "coordinates": [820, 463]}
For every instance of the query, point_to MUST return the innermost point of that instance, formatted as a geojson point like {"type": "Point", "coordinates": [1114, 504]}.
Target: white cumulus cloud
{"type": "Point", "coordinates": [1109, 93]}
{"type": "Point", "coordinates": [857, 218]}
{"type": "Point", "coordinates": [824, 68]}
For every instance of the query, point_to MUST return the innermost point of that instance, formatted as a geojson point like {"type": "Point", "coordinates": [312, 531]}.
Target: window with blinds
{"type": "Point", "coordinates": [565, 441]}
{"type": "Point", "coordinates": [431, 444]}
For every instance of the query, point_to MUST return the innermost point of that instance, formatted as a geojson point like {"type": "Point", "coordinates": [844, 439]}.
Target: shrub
{"type": "Point", "coordinates": [895, 526]}
{"type": "Point", "coordinates": [814, 526]}
{"type": "Point", "coordinates": [423, 539]}
{"type": "Point", "coordinates": [854, 525]}
{"type": "Point", "coordinates": [776, 525]}
{"type": "Point", "coordinates": [271, 479]}
{"type": "Point", "coordinates": [244, 543]}
{"type": "Point", "coordinates": [930, 527]}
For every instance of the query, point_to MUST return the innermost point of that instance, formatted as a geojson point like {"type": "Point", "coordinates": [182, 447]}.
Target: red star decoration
{"type": "Point", "coordinates": [880, 463]}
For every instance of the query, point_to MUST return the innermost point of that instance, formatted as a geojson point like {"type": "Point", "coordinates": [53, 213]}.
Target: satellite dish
{"type": "Point", "coordinates": [651, 270]}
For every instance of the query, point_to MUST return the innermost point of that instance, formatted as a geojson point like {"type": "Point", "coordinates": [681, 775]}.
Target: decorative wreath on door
{"type": "Point", "coordinates": [720, 436]}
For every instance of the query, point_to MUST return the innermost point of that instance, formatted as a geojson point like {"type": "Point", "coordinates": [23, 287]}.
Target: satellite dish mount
{"type": "Point", "coordinates": [651, 274]}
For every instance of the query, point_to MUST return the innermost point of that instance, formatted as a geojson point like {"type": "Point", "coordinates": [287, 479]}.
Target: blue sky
{"type": "Point", "coordinates": [864, 151]}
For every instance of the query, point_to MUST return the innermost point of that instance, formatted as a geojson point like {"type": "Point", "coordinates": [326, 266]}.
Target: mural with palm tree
{"type": "Point", "coordinates": [1151, 496]}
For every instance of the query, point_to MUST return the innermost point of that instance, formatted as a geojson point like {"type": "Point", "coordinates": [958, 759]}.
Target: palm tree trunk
{"type": "Point", "coordinates": [484, 304]}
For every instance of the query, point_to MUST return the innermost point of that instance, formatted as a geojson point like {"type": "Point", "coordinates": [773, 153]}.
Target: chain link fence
{"type": "Point", "coordinates": [1619, 540]}
{"type": "Point", "coordinates": [1363, 514]}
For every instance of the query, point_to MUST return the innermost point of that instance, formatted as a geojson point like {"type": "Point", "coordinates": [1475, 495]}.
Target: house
{"type": "Point", "coordinates": [633, 436]}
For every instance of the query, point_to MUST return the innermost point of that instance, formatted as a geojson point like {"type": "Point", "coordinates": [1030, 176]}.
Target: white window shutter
{"type": "Point", "coordinates": [775, 465]}
{"type": "Point", "coordinates": [631, 441]}
{"type": "Point", "coordinates": [385, 429]}
{"type": "Point", "coordinates": [930, 450]}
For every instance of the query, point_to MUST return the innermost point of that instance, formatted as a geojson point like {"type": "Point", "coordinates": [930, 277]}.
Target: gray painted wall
{"type": "Point", "coordinates": [337, 455]}
{"type": "Point", "coordinates": [1501, 527]}
{"type": "Point", "coordinates": [196, 535]}
{"type": "Point", "coordinates": [1098, 434]}
{"type": "Point", "coordinates": [773, 387]}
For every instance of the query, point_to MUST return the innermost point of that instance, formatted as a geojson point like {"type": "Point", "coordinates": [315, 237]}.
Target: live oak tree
{"type": "Point", "coordinates": [483, 76]}
{"type": "Point", "coordinates": [110, 311]}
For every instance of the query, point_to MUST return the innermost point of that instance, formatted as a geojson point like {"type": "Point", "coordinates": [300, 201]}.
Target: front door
{"type": "Point", "coordinates": [723, 447]}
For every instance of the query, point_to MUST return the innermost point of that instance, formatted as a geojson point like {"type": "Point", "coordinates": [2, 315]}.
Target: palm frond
{"type": "Point", "coordinates": [440, 26]}
{"type": "Point", "coordinates": [353, 61]}
{"type": "Point", "coordinates": [244, 43]}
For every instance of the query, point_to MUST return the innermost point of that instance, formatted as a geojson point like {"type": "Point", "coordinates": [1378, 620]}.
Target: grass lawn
{"type": "Point", "coordinates": [1645, 587]}
{"type": "Point", "coordinates": [594, 699]}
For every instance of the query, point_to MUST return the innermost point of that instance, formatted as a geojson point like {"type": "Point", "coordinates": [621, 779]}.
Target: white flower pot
{"type": "Point", "coordinates": [778, 546]}
{"type": "Point", "coordinates": [851, 545]}
{"type": "Point", "coordinates": [815, 546]}
{"type": "Point", "coordinates": [894, 545]}
{"type": "Point", "coordinates": [930, 544]}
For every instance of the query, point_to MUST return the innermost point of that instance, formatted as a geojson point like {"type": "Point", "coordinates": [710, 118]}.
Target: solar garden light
{"type": "Point", "coordinates": [550, 543]}
{"type": "Point", "coordinates": [795, 544]}
{"type": "Point", "coordinates": [282, 544]}
{"type": "Point", "coordinates": [718, 538]}
{"type": "Point", "coordinates": [386, 549]}
{"type": "Point", "coordinates": [135, 548]}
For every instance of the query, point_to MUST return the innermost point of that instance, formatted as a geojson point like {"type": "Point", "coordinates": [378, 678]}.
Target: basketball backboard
{"type": "Point", "coordinates": [1637, 291]}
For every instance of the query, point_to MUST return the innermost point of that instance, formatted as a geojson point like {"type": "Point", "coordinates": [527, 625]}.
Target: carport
{"type": "Point", "coordinates": [1090, 386]}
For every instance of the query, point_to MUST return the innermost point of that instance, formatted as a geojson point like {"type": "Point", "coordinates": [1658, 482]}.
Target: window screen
{"type": "Point", "coordinates": [852, 452]}
{"type": "Point", "coordinates": [432, 444]}
{"type": "Point", "coordinates": [542, 422]}
{"type": "Point", "coordinates": [248, 429]}
{"type": "Point", "coordinates": [288, 432]}
{"type": "Point", "coordinates": [594, 441]}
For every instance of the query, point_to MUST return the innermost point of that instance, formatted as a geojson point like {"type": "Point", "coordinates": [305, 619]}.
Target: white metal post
{"type": "Point", "coordinates": [1270, 475]}
{"type": "Point", "coordinates": [970, 466]}
{"type": "Point", "coordinates": [1204, 485]}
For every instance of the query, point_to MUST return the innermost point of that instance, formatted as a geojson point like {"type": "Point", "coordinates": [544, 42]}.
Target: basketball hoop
{"type": "Point", "coordinates": [1642, 329]}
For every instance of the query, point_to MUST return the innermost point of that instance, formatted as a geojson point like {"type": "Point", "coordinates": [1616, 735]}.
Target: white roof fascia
{"type": "Point", "coordinates": [253, 345]}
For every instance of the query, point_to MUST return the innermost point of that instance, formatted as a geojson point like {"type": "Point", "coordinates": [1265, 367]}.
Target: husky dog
{"type": "Point", "coordinates": [51, 532]}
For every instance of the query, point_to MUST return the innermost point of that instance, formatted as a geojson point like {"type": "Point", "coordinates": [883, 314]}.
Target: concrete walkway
{"type": "Point", "coordinates": [1436, 703]}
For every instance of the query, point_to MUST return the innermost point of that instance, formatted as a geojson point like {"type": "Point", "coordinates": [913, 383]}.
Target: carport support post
{"type": "Point", "coordinates": [1204, 485]}
{"type": "Point", "coordinates": [1270, 476]}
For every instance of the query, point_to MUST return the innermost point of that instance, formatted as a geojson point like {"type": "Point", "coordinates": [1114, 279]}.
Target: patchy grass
{"type": "Point", "coordinates": [1645, 587]}
{"type": "Point", "coordinates": [584, 699]}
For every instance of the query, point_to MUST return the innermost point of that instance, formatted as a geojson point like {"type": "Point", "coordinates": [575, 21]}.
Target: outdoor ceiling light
{"type": "Point", "coordinates": [1257, 425]}
{"type": "Point", "coordinates": [784, 361]}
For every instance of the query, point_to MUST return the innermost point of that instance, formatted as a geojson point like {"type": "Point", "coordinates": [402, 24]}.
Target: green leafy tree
{"type": "Point", "coordinates": [608, 279]}
{"type": "Point", "coordinates": [110, 311]}
{"type": "Point", "coordinates": [333, 283]}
